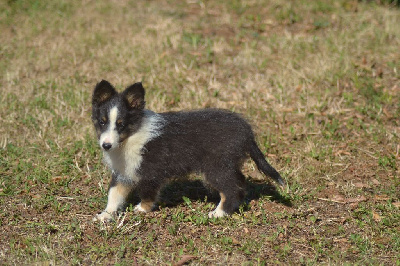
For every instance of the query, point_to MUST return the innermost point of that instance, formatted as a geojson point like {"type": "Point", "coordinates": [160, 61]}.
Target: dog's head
{"type": "Point", "coordinates": [115, 115]}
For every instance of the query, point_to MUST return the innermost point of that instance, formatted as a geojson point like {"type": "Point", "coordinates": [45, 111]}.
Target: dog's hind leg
{"type": "Point", "coordinates": [148, 191]}
{"type": "Point", "coordinates": [231, 188]}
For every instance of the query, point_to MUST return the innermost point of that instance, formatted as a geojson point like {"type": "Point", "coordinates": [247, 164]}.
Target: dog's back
{"type": "Point", "coordinates": [197, 141]}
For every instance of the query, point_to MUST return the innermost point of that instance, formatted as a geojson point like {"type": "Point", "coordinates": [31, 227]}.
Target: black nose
{"type": "Point", "coordinates": [107, 146]}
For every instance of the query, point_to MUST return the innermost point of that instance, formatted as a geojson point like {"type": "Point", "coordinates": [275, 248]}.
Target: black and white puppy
{"type": "Point", "coordinates": [144, 149]}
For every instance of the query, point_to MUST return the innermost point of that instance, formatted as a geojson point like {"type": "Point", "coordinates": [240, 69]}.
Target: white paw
{"type": "Point", "coordinates": [103, 217]}
{"type": "Point", "coordinates": [139, 208]}
{"type": "Point", "coordinates": [217, 213]}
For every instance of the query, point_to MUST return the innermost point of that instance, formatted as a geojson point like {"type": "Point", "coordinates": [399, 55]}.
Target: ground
{"type": "Point", "coordinates": [319, 81]}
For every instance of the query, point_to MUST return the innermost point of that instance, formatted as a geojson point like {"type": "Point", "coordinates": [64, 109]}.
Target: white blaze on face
{"type": "Point", "coordinates": [111, 135]}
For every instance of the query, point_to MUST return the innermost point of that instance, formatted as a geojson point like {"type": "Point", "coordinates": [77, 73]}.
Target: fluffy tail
{"type": "Point", "coordinates": [263, 165]}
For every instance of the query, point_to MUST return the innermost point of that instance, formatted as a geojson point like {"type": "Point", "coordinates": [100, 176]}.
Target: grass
{"type": "Point", "coordinates": [319, 80]}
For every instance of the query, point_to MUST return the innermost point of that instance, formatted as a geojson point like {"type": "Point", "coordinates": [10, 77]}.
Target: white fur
{"type": "Point", "coordinates": [103, 217]}
{"type": "Point", "coordinates": [111, 134]}
{"type": "Point", "coordinates": [218, 212]}
{"type": "Point", "coordinates": [115, 200]}
{"type": "Point", "coordinates": [126, 158]}
{"type": "Point", "coordinates": [139, 208]}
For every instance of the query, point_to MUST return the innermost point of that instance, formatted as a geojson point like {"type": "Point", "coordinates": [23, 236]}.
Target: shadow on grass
{"type": "Point", "coordinates": [256, 190]}
{"type": "Point", "coordinates": [172, 194]}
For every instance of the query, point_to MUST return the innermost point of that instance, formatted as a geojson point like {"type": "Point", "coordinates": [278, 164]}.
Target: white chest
{"type": "Point", "coordinates": [127, 158]}
{"type": "Point", "coordinates": [124, 163]}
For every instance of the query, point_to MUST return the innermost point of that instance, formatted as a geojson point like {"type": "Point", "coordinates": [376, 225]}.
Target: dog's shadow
{"type": "Point", "coordinates": [175, 191]}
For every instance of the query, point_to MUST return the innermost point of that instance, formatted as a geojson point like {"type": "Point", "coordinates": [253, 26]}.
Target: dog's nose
{"type": "Point", "coordinates": [107, 146]}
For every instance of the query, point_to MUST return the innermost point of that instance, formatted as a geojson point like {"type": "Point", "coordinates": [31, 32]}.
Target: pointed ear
{"type": "Point", "coordinates": [102, 92]}
{"type": "Point", "coordinates": [134, 95]}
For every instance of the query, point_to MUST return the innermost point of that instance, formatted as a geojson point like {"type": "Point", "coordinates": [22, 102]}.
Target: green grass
{"type": "Point", "coordinates": [319, 81]}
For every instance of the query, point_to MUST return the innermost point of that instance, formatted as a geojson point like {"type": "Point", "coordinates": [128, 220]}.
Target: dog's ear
{"type": "Point", "coordinates": [103, 92]}
{"type": "Point", "coordinates": [134, 95]}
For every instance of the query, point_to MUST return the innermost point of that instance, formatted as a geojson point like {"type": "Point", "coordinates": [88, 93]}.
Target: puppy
{"type": "Point", "coordinates": [144, 149]}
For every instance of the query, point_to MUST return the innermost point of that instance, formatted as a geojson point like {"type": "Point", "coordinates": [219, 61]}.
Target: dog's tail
{"type": "Point", "coordinates": [263, 165]}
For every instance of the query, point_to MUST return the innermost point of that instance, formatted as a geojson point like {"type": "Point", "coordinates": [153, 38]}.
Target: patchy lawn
{"type": "Point", "coordinates": [319, 80]}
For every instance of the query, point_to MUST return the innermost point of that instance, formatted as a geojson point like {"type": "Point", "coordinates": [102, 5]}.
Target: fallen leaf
{"type": "Point", "coordinates": [364, 60]}
{"type": "Point", "coordinates": [246, 231]}
{"type": "Point", "coordinates": [375, 182]}
{"type": "Point", "coordinates": [396, 204]}
{"type": "Point", "coordinates": [338, 198]}
{"type": "Point", "coordinates": [340, 152]}
{"type": "Point", "coordinates": [341, 240]}
{"type": "Point", "coordinates": [376, 216]}
{"type": "Point", "coordinates": [235, 241]}
{"type": "Point", "coordinates": [360, 185]}
{"type": "Point", "coordinates": [353, 205]}
{"type": "Point", "coordinates": [383, 198]}
{"type": "Point", "coordinates": [184, 259]}
{"type": "Point", "coordinates": [355, 200]}
{"type": "Point", "coordinates": [56, 179]}
{"type": "Point", "coordinates": [385, 111]}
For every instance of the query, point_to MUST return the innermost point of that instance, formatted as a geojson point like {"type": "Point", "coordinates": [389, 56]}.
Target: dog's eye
{"type": "Point", "coordinates": [120, 124]}
{"type": "Point", "coordinates": [102, 121]}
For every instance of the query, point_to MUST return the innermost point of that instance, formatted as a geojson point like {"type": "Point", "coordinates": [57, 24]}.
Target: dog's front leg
{"type": "Point", "coordinates": [117, 194]}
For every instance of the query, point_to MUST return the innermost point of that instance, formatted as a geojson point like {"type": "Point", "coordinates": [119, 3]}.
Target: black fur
{"type": "Point", "coordinates": [212, 142]}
